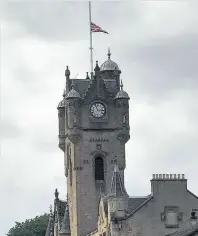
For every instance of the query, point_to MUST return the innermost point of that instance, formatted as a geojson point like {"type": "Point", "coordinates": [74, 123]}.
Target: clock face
{"type": "Point", "coordinates": [98, 110]}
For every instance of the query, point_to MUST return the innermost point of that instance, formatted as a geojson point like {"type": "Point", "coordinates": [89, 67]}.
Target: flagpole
{"type": "Point", "coordinates": [91, 47]}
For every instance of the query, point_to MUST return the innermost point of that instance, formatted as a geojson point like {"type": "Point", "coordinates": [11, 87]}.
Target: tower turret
{"type": "Point", "coordinates": [61, 118]}
{"type": "Point", "coordinates": [109, 70]}
{"type": "Point", "coordinates": [122, 103]}
{"type": "Point", "coordinates": [117, 198]}
{"type": "Point", "coordinates": [73, 101]}
{"type": "Point", "coordinates": [65, 226]}
{"type": "Point", "coordinates": [67, 75]}
{"type": "Point", "coordinates": [49, 230]}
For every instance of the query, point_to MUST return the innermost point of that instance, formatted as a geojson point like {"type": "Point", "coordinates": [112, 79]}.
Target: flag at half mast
{"type": "Point", "coordinates": [96, 28]}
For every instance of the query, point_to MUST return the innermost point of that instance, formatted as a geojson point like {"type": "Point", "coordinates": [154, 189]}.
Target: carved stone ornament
{"type": "Point", "coordinates": [123, 137]}
{"type": "Point", "coordinates": [77, 168]}
{"type": "Point", "coordinates": [74, 104]}
{"type": "Point", "coordinates": [74, 138]}
{"type": "Point", "coordinates": [99, 152]}
{"type": "Point", "coordinates": [86, 161]}
{"type": "Point", "coordinates": [113, 161]}
{"type": "Point", "coordinates": [62, 147]}
{"type": "Point", "coordinates": [122, 105]}
{"type": "Point", "coordinates": [98, 146]}
{"type": "Point", "coordinates": [180, 216]}
{"type": "Point", "coordinates": [92, 140]}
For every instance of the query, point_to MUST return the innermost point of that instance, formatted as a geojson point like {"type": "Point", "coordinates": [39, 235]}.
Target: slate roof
{"type": "Point", "coordinates": [122, 94]}
{"type": "Point", "coordinates": [134, 203]}
{"type": "Point", "coordinates": [65, 225]}
{"type": "Point", "coordinates": [187, 232]}
{"type": "Point", "coordinates": [61, 209]}
{"type": "Point", "coordinates": [73, 93]}
{"type": "Point", "coordinates": [82, 86]}
{"type": "Point", "coordinates": [49, 227]}
{"type": "Point", "coordinates": [117, 185]}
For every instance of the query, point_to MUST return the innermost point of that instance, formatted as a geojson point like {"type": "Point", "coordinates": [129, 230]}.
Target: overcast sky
{"type": "Point", "coordinates": [155, 43]}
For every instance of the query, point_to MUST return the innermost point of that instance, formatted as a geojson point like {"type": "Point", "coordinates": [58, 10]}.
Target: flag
{"type": "Point", "coordinates": [96, 28]}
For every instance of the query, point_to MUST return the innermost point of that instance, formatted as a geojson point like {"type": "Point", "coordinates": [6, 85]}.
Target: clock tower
{"type": "Point", "coordinates": [93, 131]}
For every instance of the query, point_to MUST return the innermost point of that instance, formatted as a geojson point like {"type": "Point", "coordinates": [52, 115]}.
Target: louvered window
{"type": "Point", "coordinates": [99, 168]}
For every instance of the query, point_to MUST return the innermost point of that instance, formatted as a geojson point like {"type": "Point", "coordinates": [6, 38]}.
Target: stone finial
{"type": "Point", "coordinates": [56, 193]}
{"type": "Point", "coordinates": [97, 68]}
{"type": "Point", "coordinates": [50, 209]}
{"type": "Point", "coordinates": [121, 85]}
{"type": "Point", "coordinates": [64, 93]}
{"type": "Point", "coordinates": [67, 72]}
{"type": "Point", "coordinates": [109, 54]}
{"type": "Point", "coordinates": [87, 77]}
{"type": "Point", "coordinates": [72, 85]}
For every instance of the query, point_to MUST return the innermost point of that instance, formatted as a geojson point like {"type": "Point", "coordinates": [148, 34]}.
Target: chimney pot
{"type": "Point", "coordinates": [164, 176]}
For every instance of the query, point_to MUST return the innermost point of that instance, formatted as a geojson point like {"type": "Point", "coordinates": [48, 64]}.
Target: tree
{"type": "Point", "coordinates": [31, 227]}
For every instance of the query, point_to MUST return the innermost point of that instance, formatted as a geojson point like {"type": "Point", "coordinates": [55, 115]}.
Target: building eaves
{"type": "Point", "coordinates": [148, 199]}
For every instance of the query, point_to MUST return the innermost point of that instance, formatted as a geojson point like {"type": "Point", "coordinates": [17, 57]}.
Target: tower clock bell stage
{"type": "Point", "coordinates": [93, 130]}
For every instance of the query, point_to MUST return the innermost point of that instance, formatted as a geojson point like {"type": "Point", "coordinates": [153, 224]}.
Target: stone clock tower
{"type": "Point", "coordinates": [93, 130]}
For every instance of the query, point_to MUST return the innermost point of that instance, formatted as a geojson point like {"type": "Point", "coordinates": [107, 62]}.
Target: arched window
{"type": "Point", "coordinates": [99, 168]}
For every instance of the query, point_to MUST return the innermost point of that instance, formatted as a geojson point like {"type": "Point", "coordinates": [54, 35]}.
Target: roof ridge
{"type": "Point", "coordinates": [185, 232]}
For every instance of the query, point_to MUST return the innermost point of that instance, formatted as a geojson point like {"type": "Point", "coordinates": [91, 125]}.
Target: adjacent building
{"type": "Point", "coordinates": [93, 130]}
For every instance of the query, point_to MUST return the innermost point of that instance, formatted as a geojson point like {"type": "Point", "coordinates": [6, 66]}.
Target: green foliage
{"type": "Point", "coordinates": [32, 227]}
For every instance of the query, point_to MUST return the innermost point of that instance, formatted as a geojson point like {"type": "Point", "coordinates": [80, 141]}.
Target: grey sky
{"type": "Point", "coordinates": [155, 43]}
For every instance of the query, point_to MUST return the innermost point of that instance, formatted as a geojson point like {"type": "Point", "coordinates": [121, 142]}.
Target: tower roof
{"type": "Point", "coordinates": [50, 224]}
{"type": "Point", "coordinates": [109, 65]}
{"type": "Point", "coordinates": [122, 93]}
{"type": "Point", "coordinates": [65, 226]}
{"type": "Point", "coordinates": [62, 102]}
{"type": "Point", "coordinates": [117, 186]}
{"type": "Point", "coordinates": [73, 93]}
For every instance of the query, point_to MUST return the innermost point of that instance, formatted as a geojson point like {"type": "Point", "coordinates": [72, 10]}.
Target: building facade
{"type": "Point", "coordinates": [93, 130]}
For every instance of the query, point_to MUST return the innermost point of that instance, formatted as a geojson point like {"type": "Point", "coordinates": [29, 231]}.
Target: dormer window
{"type": "Point", "coordinates": [171, 217]}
